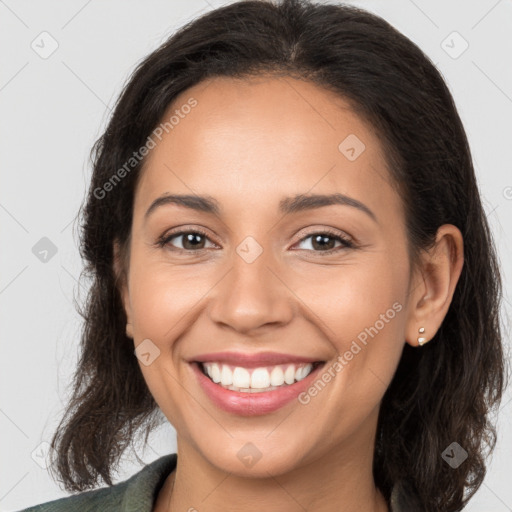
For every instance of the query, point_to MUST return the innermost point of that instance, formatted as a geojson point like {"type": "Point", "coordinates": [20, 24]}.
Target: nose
{"type": "Point", "coordinates": [251, 296]}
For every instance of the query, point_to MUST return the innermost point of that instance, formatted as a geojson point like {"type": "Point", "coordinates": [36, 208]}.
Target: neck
{"type": "Point", "coordinates": [337, 479]}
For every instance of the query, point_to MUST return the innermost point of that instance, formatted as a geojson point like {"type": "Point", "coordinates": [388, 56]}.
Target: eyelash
{"type": "Point", "coordinates": [346, 244]}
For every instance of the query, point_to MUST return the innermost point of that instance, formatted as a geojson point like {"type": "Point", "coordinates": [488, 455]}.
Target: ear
{"type": "Point", "coordinates": [122, 285]}
{"type": "Point", "coordinates": [432, 289]}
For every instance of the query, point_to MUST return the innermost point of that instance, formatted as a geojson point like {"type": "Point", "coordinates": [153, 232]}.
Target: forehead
{"type": "Point", "coordinates": [256, 140]}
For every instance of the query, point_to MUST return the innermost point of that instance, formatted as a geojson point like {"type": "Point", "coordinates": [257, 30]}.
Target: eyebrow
{"type": "Point", "coordinates": [288, 205]}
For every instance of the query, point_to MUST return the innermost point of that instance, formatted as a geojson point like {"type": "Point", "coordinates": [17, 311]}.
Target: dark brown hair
{"type": "Point", "coordinates": [442, 392]}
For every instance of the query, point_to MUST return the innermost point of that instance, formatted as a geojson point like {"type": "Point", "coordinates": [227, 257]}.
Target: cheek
{"type": "Point", "coordinates": [162, 296]}
{"type": "Point", "coordinates": [362, 314]}
{"type": "Point", "coordinates": [359, 309]}
{"type": "Point", "coordinates": [162, 299]}
{"type": "Point", "coordinates": [352, 296]}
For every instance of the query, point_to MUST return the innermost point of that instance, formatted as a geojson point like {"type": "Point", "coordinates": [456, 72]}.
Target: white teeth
{"type": "Point", "coordinates": [277, 377]}
{"type": "Point", "coordinates": [257, 379]}
{"type": "Point", "coordinates": [215, 373]}
{"type": "Point", "coordinates": [241, 378]}
{"type": "Point", "coordinates": [226, 376]}
{"type": "Point", "coordinates": [303, 372]}
{"type": "Point", "coordinates": [289, 374]}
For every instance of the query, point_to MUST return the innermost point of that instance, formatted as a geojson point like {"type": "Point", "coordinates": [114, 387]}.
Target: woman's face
{"type": "Point", "coordinates": [264, 279]}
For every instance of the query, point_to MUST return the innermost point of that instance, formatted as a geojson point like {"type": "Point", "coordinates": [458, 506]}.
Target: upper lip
{"type": "Point", "coordinates": [254, 360]}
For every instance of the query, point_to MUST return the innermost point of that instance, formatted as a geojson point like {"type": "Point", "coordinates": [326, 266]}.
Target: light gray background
{"type": "Point", "coordinates": [53, 110]}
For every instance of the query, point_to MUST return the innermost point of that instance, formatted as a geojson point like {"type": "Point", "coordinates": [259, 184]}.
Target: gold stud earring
{"type": "Point", "coordinates": [421, 340]}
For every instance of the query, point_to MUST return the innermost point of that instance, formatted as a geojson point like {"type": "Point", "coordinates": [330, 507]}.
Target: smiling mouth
{"type": "Point", "coordinates": [257, 380]}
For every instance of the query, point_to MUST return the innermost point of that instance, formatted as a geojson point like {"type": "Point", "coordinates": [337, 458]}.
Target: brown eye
{"type": "Point", "coordinates": [324, 242]}
{"type": "Point", "coordinates": [193, 241]}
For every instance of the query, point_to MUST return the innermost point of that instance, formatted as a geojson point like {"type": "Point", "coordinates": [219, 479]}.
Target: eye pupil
{"type": "Point", "coordinates": [322, 241]}
{"type": "Point", "coordinates": [191, 238]}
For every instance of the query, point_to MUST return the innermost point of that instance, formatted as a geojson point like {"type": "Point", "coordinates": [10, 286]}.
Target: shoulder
{"type": "Point", "coordinates": [135, 494]}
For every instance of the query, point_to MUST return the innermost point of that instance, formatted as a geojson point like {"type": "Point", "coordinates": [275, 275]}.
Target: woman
{"type": "Point", "coordinates": [291, 261]}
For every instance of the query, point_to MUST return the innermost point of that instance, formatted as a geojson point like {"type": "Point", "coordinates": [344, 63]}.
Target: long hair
{"type": "Point", "coordinates": [441, 393]}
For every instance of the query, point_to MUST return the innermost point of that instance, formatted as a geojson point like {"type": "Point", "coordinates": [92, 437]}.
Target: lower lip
{"type": "Point", "coordinates": [252, 404]}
